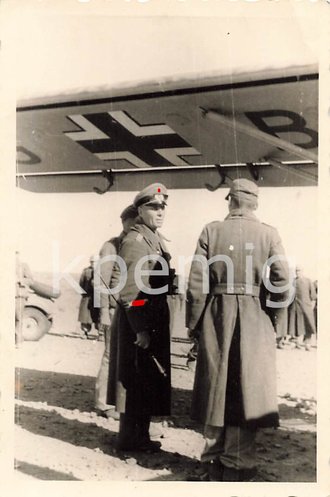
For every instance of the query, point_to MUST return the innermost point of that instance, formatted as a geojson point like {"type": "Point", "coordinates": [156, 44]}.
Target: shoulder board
{"type": "Point", "coordinates": [132, 235]}
{"type": "Point", "coordinates": [139, 237]}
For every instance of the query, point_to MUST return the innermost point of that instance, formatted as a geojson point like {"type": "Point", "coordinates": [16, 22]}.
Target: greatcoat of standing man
{"type": "Point", "coordinates": [143, 384]}
{"type": "Point", "coordinates": [235, 381]}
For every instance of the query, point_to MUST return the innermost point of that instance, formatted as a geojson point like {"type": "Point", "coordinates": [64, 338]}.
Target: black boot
{"type": "Point", "coordinates": [143, 436]}
{"type": "Point", "coordinates": [134, 435]}
{"type": "Point", "coordinates": [127, 436]}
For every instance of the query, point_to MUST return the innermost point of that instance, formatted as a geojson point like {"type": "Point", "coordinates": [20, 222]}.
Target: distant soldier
{"type": "Point", "coordinates": [24, 279]}
{"type": "Point", "coordinates": [315, 306]}
{"type": "Point", "coordinates": [235, 382]}
{"type": "Point", "coordinates": [143, 372]}
{"type": "Point", "coordinates": [88, 315]}
{"type": "Point", "coordinates": [301, 315]}
{"type": "Point", "coordinates": [107, 309]}
{"type": "Point", "coordinates": [282, 329]}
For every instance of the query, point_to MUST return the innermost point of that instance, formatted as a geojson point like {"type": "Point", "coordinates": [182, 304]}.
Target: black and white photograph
{"type": "Point", "coordinates": [167, 170]}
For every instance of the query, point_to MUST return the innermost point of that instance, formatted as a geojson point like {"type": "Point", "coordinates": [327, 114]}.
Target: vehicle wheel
{"type": "Point", "coordinates": [35, 324]}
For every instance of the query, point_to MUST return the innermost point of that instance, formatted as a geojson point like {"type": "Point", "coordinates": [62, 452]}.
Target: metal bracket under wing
{"type": "Point", "coordinates": [109, 175]}
{"type": "Point", "coordinates": [253, 170]}
{"type": "Point", "coordinates": [222, 175]}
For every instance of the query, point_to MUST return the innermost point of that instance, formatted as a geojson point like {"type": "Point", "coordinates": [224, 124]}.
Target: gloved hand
{"type": "Point", "coordinates": [142, 339]}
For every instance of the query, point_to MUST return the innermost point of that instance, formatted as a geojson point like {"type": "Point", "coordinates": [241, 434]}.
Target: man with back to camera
{"type": "Point", "coordinates": [235, 381]}
{"type": "Point", "coordinates": [143, 368]}
{"type": "Point", "coordinates": [107, 308]}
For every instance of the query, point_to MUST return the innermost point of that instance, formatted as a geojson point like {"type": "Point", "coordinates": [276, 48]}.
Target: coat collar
{"type": "Point", "coordinates": [150, 236]}
{"type": "Point", "coordinates": [241, 214]}
{"type": "Point", "coordinates": [153, 238]}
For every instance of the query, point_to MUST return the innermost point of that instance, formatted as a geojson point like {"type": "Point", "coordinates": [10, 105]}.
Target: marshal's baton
{"type": "Point", "coordinates": [159, 366]}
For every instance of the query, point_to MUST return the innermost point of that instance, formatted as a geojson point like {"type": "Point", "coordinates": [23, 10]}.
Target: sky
{"type": "Point", "coordinates": [56, 50]}
{"type": "Point", "coordinates": [52, 50]}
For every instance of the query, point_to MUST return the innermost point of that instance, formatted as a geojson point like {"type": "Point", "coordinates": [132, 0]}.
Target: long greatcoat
{"type": "Point", "coordinates": [137, 311]}
{"type": "Point", "coordinates": [301, 315]}
{"type": "Point", "coordinates": [87, 314]}
{"type": "Point", "coordinates": [235, 380]}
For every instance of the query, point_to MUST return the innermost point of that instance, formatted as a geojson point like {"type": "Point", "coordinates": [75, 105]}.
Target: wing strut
{"type": "Point", "coordinates": [259, 135]}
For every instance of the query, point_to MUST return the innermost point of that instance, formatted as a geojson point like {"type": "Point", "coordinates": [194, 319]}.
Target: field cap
{"type": "Point", "coordinates": [242, 187]}
{"type": "Point", "coordinates": [129, 212]}
{"type": "Point", "coordinates": [154, 194]}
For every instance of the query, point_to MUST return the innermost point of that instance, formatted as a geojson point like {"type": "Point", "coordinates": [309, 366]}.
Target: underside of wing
{"type": "Point", "coordinates": [187, 134]}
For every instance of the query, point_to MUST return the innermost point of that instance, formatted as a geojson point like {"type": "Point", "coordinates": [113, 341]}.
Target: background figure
{"type": "Point", "coordinates": [107, 310]}
{"type": "Point", "coordinates": [175, 299]}
{"type": "Point", "coordinates": [24, 279]}
{"type": "Point", "coordinates": [142, 383]}
{"type": "Point", "coordinates": [315, 307]}
{"type": "Point", "coordinates": [88, 315]}
{"type": "Point", "coordinates": [301, 315]}
{"type": "Point", "coordinates": [192, 352]}
{"type": "Point", "coordinates": [282, 329]}
{"type": "Point", "coordinates": [235, 381]}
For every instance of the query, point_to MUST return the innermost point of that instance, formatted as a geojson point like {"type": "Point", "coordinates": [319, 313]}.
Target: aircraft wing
{"type": "Point", "coordinates": [188, 133]}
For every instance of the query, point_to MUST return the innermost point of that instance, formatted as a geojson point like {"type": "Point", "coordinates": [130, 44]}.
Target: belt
{"type": "Point", "coordinates": [236, 289]}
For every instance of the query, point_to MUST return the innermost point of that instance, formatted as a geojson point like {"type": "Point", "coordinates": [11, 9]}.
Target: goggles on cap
{"type": "Point", "coordinates": [157, 199]}
{"type": "Point", "coordinates": [154, 206]}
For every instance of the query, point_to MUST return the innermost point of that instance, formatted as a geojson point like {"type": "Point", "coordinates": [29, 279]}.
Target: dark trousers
{"type": "Point", "coordinates": [135, 422]}
{"type": "Point", "coordinates": [133, 429]}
